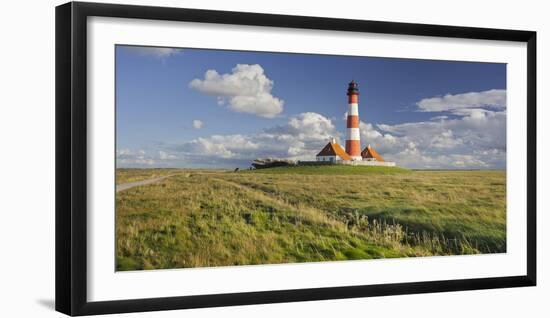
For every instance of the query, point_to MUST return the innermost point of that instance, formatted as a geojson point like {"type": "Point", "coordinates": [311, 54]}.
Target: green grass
{"type": "Point", "coordinates": [302, 214]}
{"type": "Point", "coordinates": [133, 175]}
{"type": "Point", "coordinates": [330, 170]}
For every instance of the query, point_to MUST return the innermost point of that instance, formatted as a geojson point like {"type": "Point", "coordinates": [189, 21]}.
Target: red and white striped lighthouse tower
{"type": "Point", "coordinates": [353, 142]}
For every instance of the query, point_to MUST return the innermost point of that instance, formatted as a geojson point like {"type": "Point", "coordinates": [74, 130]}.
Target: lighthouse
{"type": "Point", "coordinates": [353, 141]}
{"type": "Point", "coordinates": [333, 153]}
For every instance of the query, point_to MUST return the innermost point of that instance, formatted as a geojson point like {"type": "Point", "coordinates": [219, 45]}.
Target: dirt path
{"type": "Point", "coordinates": [126, 186]}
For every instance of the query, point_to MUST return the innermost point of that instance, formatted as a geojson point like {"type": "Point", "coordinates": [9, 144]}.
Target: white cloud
{"type": "Point", "coordinates": [197, 124]}
{"type": "Point", "coordinates": [310, 126]}
{"type": "Point", "coordinates": [302, 137]}
{"type": "Point", "coordinates": [494, 98]}
{"type": "Point", "coordinates": [163, 155]}
{"type": "Point", "coordinates": [246, 90]}
{"type": "Point", "coordinates": [473, 138]}
{"type": "Point", "coordinates": [157, 52]}
{"type": "Point", "coordinates": [126, 157]}
{"type": "Point", "coordinates": [223, 146]}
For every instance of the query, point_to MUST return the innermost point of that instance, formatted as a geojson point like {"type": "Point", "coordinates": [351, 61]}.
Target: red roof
{"type": "Point", "coordinates": [334, 149]}
{"type": "Point", "coordinates": [370, 153]}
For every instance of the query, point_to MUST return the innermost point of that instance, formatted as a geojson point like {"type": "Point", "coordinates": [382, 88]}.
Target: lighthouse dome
{"type": "Point", "coordinates": [353, 88]}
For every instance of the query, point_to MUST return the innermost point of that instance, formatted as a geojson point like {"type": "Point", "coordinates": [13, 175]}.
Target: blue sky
{"type": "Point", "coordinates": [216, 108]}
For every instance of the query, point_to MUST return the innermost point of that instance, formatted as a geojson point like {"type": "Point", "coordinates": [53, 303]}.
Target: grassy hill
{"type": "Point", "coordinates": [302, 214]}
{"type": "Point", "coordinates": [331, 170]}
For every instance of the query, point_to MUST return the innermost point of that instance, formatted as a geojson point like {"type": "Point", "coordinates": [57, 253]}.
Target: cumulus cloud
{"type": "Point", "coordinates": [494, 98]}
{"type": "Point", "coordinates": [245, 90]}
{"type": "Point", "coordinates": [163, 155]}
{"type": "Point", "coordinates": [301, 138]}
{"type": "Point", "coordinates": [222, 146]}
{"type": "Point", "coordinates": [475, 140]}
{"type": "Point", "coordinates": [126, 157]}
{"type": "Point", "coordinates": [307, 127]}
{"type": "Point", "coordinates": [157, 52]}
{"type": "Point", "coordinates": [474, 137]}
{"type": "Point", "coordinates": [197, 124]}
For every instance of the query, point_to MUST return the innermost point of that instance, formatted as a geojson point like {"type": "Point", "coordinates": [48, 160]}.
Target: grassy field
{"type": "Point", "coordinates": [132, 175]}
{"type": "Point", "coordinates": [200, 218]}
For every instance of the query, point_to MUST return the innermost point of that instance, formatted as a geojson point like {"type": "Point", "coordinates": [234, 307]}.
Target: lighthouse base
{"type": "Point", "coordinates": [367, 163]}
{"type": "Point", "coordinates": [349, 163]}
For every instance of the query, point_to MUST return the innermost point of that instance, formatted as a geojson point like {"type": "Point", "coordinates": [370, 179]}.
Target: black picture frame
{"type": "Point", "coordinates": [71, 154]}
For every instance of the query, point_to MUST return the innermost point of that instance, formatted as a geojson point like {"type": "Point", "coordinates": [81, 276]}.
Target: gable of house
{"type": "Point", "coordinates": [334, 149]}
{"type": "Point", "coordinates": [370, 153]}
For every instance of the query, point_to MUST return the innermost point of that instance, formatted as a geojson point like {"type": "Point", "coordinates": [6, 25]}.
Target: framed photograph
{"type": "Point", "coordinates": [209, 158]}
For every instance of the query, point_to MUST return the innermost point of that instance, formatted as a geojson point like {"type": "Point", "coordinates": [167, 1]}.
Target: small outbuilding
{"type": "Point", "coordinates": [369, 154]}
{"type": "Point", "coordinates": [332, 152]}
